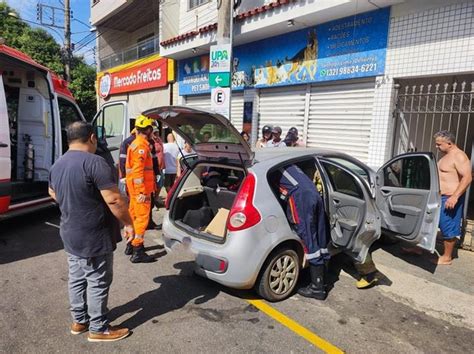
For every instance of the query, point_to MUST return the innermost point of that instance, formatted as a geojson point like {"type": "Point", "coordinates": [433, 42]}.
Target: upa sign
{"type": "Point", "coordinates": [220, 98]}
{"type": "Point", "coordinates": [219, 58]}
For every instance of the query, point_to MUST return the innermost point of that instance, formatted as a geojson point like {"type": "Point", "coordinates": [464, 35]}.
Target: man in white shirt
{"type": "Point", "coordinates": [171, 152]}
{"type": "Point", "coordinates": [276, 138]}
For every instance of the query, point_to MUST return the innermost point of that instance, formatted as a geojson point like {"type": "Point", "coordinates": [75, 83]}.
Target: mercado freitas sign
{"type": "Point", "coordinates": [151, 72]}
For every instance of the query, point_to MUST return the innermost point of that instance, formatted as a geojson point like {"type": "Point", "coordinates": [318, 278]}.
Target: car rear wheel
{"type": "Point", "coordinates": [279, 275]}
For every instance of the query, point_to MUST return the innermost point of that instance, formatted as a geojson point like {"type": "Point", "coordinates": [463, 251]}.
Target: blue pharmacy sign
{"type": "Point", "coordinates": [352, 47]}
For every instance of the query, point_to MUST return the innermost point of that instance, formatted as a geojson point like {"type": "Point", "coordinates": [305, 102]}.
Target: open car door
{"type": "Point", "coordinates": [409, 200]}
{"type": "Point", "coordinates": [111, 124]}
{"type": "Point", "coordinates": [5, 162]}
{"type": "Point", "coordinates": [353, 217]}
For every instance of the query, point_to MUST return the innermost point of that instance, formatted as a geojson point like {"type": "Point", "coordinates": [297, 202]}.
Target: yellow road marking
{"type": "Point", "coordinates": [295, 327]}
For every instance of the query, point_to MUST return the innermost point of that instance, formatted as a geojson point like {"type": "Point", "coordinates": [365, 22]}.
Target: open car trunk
{"type": "Point", "coordinates": [204, 197]}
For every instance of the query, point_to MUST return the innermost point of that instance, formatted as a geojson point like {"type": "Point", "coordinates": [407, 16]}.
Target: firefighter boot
{"type": "Point", "coordinates": [128, 249]}
{"type": "Point", "coordinates": [140, 256]}
{"type": "Point", "coordinates": [316, 289]}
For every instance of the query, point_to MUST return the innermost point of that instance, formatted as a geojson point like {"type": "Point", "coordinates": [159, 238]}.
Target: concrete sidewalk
{"type": "Point", "coordinates": [443, 292]}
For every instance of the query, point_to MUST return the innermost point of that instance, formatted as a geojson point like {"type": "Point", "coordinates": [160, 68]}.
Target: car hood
{"type": "Point", "coordinates": [211, 135]}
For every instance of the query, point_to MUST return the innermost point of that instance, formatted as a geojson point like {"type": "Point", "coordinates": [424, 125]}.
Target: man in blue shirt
{"type": "Point", "coordinates": [84, 186]}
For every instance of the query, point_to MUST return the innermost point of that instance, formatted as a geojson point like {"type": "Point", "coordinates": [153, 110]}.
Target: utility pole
{"type": "Point", "coordinates": [67, 39]}
{"type": "Point", "coordinates": [225, 34]}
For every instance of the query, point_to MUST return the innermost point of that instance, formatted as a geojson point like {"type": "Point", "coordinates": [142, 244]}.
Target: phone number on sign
{"type": "Point", "coordinates": [364, 68]}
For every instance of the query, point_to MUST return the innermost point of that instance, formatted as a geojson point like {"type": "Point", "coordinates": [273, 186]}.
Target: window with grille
{"type": "Point", "coordinates": [195, 3]}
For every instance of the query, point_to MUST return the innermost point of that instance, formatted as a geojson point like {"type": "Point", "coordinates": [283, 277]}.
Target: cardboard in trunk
{"type": "Point", "coordinates": [217, 225]}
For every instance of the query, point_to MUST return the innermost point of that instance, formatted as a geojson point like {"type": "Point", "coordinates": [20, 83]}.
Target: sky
{"type": "Point", "coordinates": [81, 36]}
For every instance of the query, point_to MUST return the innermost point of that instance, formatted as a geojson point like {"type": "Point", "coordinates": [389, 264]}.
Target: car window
{"type": "Point", "coordinates": [342, 181]}
{"type": "Point", "coordinates": [68, 113]}
{"type": "Point", "coordinates": [113, 120]}
{"type": "Point", "coordinates": [358, 170]}
{"type": "Point", "coordinates": [408, 172]}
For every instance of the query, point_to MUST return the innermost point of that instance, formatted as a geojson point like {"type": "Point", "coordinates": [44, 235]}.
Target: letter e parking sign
{"type": "Point", "coordinates": [220, 100]}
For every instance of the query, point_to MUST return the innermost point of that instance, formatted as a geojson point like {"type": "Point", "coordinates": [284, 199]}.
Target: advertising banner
{"type": "Point", "coordinates": [139, 77]}
{"type": "Point", "coordinates": [352, 47]}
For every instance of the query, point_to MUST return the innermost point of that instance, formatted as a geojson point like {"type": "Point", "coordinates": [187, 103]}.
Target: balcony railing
{"type": "Point", "coordinates": [141, 50]}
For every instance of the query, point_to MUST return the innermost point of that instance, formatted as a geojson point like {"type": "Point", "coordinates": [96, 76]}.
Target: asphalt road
{"type": "Point", "coordinates": [419, 308]}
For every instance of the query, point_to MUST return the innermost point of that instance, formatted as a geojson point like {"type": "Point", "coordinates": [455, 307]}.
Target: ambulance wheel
{"type": "Point", "coordinates": [279, 275]}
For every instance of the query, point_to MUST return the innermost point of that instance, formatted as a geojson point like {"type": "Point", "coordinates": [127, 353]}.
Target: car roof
{"type": "Point", "coordinates": [266, 158]}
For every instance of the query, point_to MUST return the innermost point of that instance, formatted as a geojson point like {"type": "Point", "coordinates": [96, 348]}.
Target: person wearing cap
{"type": "Point", "coordinates": [141, 180]}
{"type": "Point", "coordinates": [276, 138]}
{"type": "Point", "coordinates": [293, 138]}
{"type": "Point", "coordinates": [290, 139]}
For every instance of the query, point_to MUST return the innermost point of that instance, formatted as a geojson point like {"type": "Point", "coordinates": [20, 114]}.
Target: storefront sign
{"type": "Point", "coordinates": [352, 47]}
{"type": "Point", "coordinates": [220, 58]}
{"type": "Point", "coordinates": [139, 77]}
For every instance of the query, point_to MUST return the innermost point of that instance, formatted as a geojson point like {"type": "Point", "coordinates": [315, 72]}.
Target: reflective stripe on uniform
{"type": "Point", "coordinates": [128, 170]}
{"type": "Point", "coordinates": [316, 254]}
{"type": "Point", "coordinates": [133, 146]}
{"type": "Point", "coordinates": [290, 178]}
{"type": "Point", "coordinates": [138, 180]}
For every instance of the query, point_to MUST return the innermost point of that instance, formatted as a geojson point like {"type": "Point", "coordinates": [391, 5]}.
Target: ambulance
{"type": "Point", "coordinates": [35, 108]}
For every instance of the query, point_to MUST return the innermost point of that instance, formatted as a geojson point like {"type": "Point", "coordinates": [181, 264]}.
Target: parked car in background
{"type": "Point", "coordinates": [228, 210]}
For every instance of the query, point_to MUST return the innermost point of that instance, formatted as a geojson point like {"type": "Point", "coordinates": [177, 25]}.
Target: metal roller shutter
{"type": "Point", "coordinates": [237, 109]}
{"type": "Point", "coordinates": [199, 102]}
{"type": "Point", "coordinates": [284, 107]}
{"type": "Point", "coordinates": [340, 117]}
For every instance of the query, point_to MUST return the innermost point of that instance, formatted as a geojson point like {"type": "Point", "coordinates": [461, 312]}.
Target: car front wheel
{"type": "Point", "coordinates": [279, 275]}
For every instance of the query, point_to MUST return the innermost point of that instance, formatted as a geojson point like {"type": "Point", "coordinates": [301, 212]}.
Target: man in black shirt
{"type": "Point", "coordinates": [86, 190]}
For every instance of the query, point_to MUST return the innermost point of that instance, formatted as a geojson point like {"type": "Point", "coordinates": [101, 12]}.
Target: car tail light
{"type": "Point", "coordinates": [169, 195]}
{"type": "Point", "coordinates": [243, 213]}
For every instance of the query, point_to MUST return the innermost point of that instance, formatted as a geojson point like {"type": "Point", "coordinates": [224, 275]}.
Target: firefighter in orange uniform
{"type": "Point", "coordinates": [140, 180]}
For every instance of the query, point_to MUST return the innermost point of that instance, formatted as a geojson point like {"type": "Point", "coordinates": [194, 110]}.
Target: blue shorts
{"type": "Point", "coordinates": [450, 219]}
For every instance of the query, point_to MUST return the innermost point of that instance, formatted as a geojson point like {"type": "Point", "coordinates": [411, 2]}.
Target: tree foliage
{"type": "Point", "coordinates": [43, 48]}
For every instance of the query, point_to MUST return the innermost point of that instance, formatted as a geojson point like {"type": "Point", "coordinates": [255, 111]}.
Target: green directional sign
{"type": "Point", "coordinates": [219, 79]}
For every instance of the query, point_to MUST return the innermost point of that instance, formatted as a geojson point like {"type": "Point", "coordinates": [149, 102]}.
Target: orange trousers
{"type": "Point", "coordinates": [140, 213]}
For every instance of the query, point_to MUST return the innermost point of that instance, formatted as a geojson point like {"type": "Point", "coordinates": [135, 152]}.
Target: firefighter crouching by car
{"type": "Point", "coordinates": [140, 179]}
{"type": "Point", "coordinates": [305, 211]}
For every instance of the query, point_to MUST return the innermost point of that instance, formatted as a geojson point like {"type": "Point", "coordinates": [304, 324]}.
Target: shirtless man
{"type": "Point", "coordinates": [454, 171]}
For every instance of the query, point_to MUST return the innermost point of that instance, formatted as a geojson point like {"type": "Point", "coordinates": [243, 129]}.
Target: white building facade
{"type": "Point", "coordinates": [358, 91]}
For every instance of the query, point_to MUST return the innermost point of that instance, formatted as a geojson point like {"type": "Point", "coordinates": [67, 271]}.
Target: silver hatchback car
{"type": "Point", "coordinates": [226, 208]}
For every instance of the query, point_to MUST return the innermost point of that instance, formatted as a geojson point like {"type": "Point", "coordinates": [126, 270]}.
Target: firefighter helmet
{"type": "Point", "coordinates": [144, 122]}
